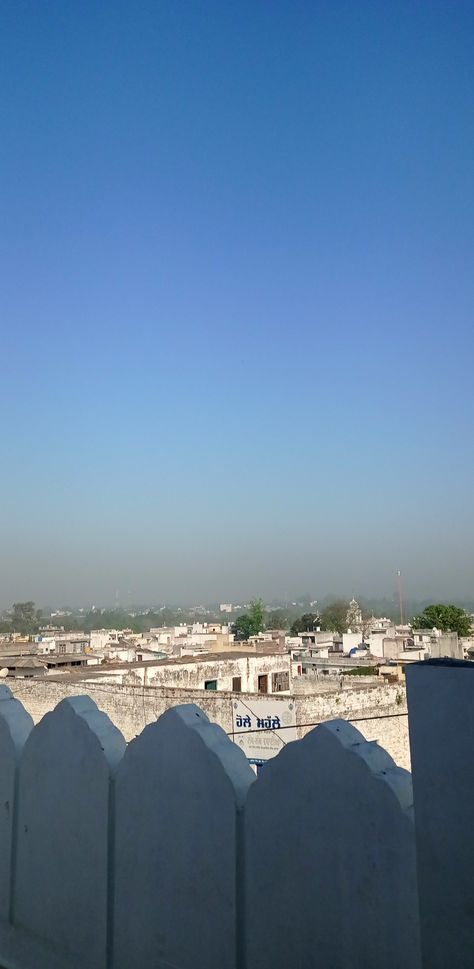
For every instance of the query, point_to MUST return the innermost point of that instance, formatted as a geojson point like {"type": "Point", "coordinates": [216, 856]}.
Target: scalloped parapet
{"type": "Point", "coordinates": [170, 853]}
{"type": "Point", "coordinates": [61, 885]}
{"type": "Point", "coordinates": [15, 727]}
{"type": "Point", "coordinates": [330, 857]}
{"type": "Point", "coordinates": [179, 792]}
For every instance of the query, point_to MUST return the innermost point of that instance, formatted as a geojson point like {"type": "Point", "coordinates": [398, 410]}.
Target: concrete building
{"type": "Point", "coordinates": [446, 645]}
{"type": "Point", "coordinates": [317, 642]}
{"type": "Point", "coordinates": [129, 651]}
{"type": "Point", "coordinates": [385, 641]}
{"type": "Point", "coordinates": [350, 640]}
{"type": "Point", "coordinates": [438, 644]}
{"type": "Point", "coordinates": [314, 664]}
{"type": "Point", "coordinates": [467, 644]}
{"type": "Point", "coordinates": [72, 644]}
{"type": "Point", "coordinates": [260, 673]}
{"type": "Point", "coordinates": [33, 664]}
{"type": "Point", "coordinates": [23, 667]}
{"type": "Point", "coordinates": [72, 641]}
{"type": "Point", "coordinates": [190, 638]}
{"type": "Point", "coordinates": [105, 637]}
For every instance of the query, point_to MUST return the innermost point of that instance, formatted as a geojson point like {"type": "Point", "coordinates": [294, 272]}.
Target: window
{"type": "Point", "coordinates": [280, 681]}
{"type": "Point", "coordinates": [263, 683]}
{"type": "Point", "coordinates": [210, 684]}
{"type": "Point", "coordinates": [236, 684]}
{"type": "Point", "coordinates": [139, 657]}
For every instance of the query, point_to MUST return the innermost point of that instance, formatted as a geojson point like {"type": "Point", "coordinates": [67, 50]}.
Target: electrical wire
{"type": "Point", "coordinates": [317, 723]}
{"type": "Point", "coordinates": [198, 695]}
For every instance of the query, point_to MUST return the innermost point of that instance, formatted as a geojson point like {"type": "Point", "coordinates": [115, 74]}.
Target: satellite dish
{"type": "Point", "coordinates": [4, 672]}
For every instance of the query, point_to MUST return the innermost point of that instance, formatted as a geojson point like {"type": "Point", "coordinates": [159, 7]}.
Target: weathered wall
{"type": "Point", "coordinates": [331, 683]}
{"type": "Point", "coordinates": [192, 675]}
{"type": "Point", "coordinates": [447, 644]}
{"type": "Point", "coordinates": [391, 733]}
{"type": "Point", "coordinates": [379, 712]}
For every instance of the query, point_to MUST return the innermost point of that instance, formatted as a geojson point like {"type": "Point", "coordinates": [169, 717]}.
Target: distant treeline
{"type": "Point", "coordinates": [26, 619]}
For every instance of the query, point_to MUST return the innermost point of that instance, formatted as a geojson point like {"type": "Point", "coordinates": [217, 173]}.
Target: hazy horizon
{"type": "Point", "coordinates": [124, 599]}
{"type": "Point", "coordinates": [238, 300]}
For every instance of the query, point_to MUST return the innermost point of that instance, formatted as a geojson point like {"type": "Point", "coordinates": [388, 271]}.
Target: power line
{"type": "Point", "coordinates": [317, 723]}
{"type": "Point", "coordinates": [194, 693]}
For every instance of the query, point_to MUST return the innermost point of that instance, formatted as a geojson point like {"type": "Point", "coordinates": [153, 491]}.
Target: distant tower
{"type": "Point", "coordinates": [400, 595]}
{"type": "Point", "coordinates": [354, 615]}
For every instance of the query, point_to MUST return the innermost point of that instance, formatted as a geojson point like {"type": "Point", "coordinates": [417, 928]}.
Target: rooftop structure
{"type": "Point", "coordinates": [264, 672]}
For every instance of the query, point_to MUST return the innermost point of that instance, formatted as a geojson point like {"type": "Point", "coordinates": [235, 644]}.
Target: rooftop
{"type": "Point", "coordinates": [35, 660]}
{"type": "Point", "coordinates": [102, 669]}
{"type": "Point", "coordinates": [23, 662]}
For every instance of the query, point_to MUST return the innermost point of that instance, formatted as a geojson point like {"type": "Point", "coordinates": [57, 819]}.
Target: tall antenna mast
{"type": "Point", "coordinates": [400, 595]}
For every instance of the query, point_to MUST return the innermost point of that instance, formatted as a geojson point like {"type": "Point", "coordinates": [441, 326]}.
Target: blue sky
{"type": "Point", "coordinates": [237, 298]}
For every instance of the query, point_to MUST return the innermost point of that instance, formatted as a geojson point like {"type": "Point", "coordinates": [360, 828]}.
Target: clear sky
{"type": "Point", "coordinates": [237, 298]}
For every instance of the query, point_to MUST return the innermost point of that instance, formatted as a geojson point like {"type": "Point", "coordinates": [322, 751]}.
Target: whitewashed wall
{"type": "Point", "coordinates": [131, 707]}
{"type": "Point", "coordinates": [168, 853]}
{"type": "Point", "coordinates": [332, 816]}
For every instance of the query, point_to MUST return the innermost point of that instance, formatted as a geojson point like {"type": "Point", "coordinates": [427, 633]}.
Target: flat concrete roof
{"type": "Point", "coordinates": [42, 659]}
{"type": "Point", "coordinates": [101, 669]}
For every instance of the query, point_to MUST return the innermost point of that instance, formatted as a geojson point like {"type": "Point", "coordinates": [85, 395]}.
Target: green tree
{"type": "Point", "coordinates": [448, 618]}
{"type": "Point", "coordinates": [23, 611]}
{"type": "Point", "coordinates": [277, 619]}
{"type": "Point", "coordinates": [24, 617]}
{"type": "Point", "coordinates": [334, 616]}
{"type": "Point", "coordinates": [306, 623]}
{"type": "Point", "coordinates": [252, 622]}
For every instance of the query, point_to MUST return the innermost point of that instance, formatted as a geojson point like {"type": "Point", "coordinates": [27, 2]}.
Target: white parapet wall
{"type": "Point", "coordinates": [169, 853]}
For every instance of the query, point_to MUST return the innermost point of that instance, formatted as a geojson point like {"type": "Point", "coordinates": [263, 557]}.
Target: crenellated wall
{"type": "Point", "coordinates": [167, 852]}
